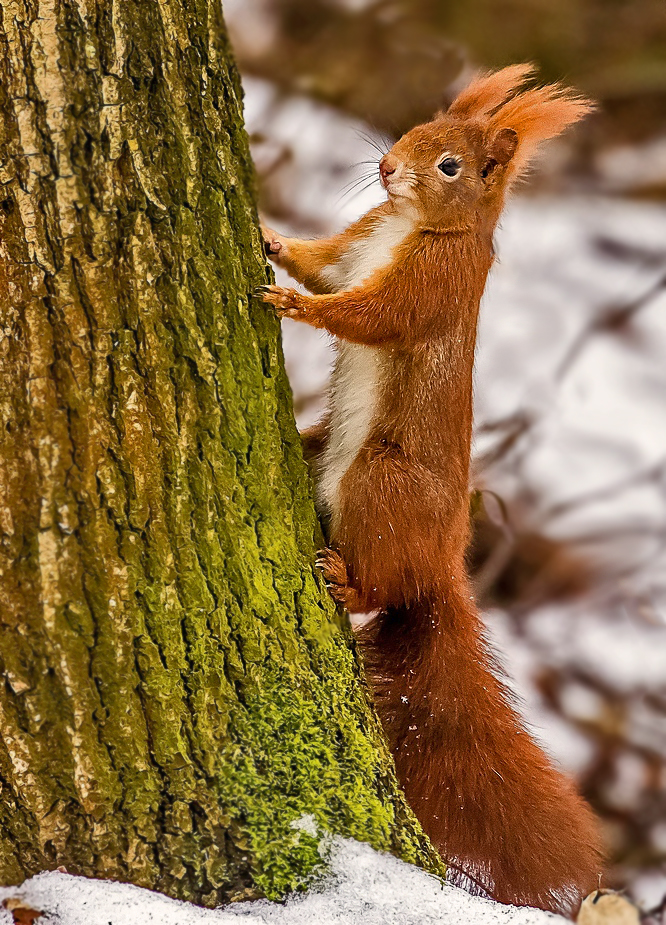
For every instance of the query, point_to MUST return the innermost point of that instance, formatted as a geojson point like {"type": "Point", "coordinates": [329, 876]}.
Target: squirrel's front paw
{"type": "Point", "coordinates": [273, 247]}
{"type": "Point", "coordinates": [287, 302]}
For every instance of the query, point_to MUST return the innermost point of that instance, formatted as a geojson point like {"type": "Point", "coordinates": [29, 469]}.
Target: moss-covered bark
{"type": "Point", "coordinates": [177, 690]}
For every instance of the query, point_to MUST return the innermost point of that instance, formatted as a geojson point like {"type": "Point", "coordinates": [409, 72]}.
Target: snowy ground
{"type": "Point", "coordinates": [363, 887]}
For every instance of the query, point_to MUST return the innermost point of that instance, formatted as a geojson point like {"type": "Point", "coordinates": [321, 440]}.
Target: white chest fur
{"type": "Point", "coordinates": [357, 376]}
{"type": "Point", "coordinates": [365, 255]}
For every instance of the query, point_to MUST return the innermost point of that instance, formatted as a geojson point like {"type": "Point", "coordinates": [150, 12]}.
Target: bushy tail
{"type": "Point", "coordinates": [506, 821]}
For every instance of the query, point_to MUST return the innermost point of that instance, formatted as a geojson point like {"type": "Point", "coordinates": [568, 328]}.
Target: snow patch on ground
{"type": "Point", "coordinates": [362, 887]}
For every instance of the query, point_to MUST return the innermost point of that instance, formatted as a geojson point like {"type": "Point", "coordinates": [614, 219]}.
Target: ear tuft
{"type": "Point", "coordinates": [488, 91]}
{"type": "Point", "coordinates": [534, 116]}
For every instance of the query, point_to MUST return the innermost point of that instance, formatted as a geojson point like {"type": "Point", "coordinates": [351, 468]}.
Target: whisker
{"type": "Point", "coordinates": [359, 181]}
{"type": "Point", "coordinates": [366, 173]}
{"type": "Point", "coordinates": [367, 138]}
{"type": "Point", "coordinates": [371, 141]}
{"type": "Point", "coordinates": [380, 139]}
{"type": "Point", "coordinates": [357, 192]}
{"type": "Point", "coordinates": [384, 136]}
{"type": "Point", "coordinates": [372, 182]}
{"type": "Point", "coordinates": [356, 182]}
{"type": "Point", "coordinates": [367, 168]}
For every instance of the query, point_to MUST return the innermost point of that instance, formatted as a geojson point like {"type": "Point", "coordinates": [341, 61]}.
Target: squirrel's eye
{"type": "Point", "coordinates": [450, 166]}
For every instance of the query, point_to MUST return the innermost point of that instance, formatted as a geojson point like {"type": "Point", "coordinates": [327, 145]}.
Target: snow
{"type": "Point", "coordinates": [362, 887]}
{"type": "Point", "coordinates": [634, 166]}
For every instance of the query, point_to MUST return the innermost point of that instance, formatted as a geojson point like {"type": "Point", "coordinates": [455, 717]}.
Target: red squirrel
{"type": "Point", "coordinates": [400, 289]}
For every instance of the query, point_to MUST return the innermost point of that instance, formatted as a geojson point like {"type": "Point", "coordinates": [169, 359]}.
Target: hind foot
{"type": "Point", "coordinates": [336, 577]}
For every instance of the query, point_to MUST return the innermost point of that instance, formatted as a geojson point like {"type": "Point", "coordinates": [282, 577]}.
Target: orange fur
{"type": "Point", "coordinates": [394, 488]}
{"type": "Point", "coordinates": [489, 91]}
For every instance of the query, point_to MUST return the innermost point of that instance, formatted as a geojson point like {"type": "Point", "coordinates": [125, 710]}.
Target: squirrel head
{"type": "Point", "coordinates": [455, 170]}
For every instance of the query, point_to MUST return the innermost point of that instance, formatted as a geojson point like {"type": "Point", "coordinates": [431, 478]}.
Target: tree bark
{"type": "Point", "coordinates": [177, 687]}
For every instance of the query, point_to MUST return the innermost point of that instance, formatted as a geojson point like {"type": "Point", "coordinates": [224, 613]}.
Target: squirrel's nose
{"type": "Point", "coordinates": [385, 168]}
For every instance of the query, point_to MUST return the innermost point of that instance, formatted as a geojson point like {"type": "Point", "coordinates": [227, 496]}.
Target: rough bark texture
{"type": "Point", "coordinates": [177, 690]}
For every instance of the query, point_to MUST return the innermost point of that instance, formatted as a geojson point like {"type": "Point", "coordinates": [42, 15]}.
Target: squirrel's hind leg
{"type": "Point", "coordinates": [335, 573]}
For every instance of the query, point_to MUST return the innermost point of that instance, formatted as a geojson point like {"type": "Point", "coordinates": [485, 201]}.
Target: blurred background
{"type": "Point", "coordinates": [569, 502]}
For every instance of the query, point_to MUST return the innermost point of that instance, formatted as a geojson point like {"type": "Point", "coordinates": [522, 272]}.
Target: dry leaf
{"type": "Point", "coordinates": [22, 914]}
{"type": "Point", "coordinates": [606, 907]}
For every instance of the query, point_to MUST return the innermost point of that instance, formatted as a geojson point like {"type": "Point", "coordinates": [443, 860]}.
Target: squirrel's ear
{"type": "Point", "coordinates": [500, 150]}
{"type": "Point", "coordinates": [503, 146]}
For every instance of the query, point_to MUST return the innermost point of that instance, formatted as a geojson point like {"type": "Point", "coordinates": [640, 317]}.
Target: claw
{"type": "Point", "coordinates": [272, 245]}
{"type": "Point", "coordinates": [285, 301]}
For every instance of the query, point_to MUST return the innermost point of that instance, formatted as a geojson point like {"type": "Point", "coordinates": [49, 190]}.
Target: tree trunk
{"type": "Point", "coordinates": [178, 690]}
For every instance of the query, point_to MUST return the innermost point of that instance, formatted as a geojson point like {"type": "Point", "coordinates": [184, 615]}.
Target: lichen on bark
{"type": "Point", "coordinates": [178, 688]}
